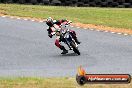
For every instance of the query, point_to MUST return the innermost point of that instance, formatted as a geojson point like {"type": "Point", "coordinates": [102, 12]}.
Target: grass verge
{"type": "Point", "coordinates": [112, 17]}
{"type": "Point", "coordinates": [52, 83]}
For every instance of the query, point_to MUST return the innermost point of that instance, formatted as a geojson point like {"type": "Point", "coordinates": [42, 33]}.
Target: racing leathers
{"type": "Point", "coordinates": [57, 26]}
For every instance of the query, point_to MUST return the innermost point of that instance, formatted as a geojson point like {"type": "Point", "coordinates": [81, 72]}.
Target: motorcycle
{"type": "Point", "coordinates": [67, 39]}
{"type": "Point", "coordinates": [64, 34]}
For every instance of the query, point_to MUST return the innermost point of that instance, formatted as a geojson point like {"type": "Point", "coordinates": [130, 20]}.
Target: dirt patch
{"type": "Point", "coordinates": [103, 28]}
{"type": "Point", "coordinates": [2, 13]}
{"type": "Point", "coordinates": [98, 27]}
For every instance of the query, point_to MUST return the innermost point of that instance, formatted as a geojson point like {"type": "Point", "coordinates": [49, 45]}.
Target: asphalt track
{"type": "Point", "coordinates": [26, 50]}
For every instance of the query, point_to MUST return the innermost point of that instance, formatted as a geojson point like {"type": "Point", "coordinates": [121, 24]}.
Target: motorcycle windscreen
{"type": "Point", "coordinates": [68, 37]}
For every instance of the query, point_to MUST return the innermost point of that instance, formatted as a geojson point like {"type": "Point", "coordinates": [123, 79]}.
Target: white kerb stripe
{"type": "Point", "coordinates": [40, 21]}
{"type": "Point", "coordinates": [11, 17]}
{"type": "Point", "coordinates": [3, 16]}
{"type": "Point", "coordinates": [119, 33]}
{"type": "Point", "coordinates": [125, 34]}
{"type": "Point", "coordinates": [91, 29]}
{"type": "Point", "coordinates": [112, 32]}
{"type": "Point", "coordinates": [25, 19]}
{"type": "Point", "coordinates": [18, 18]}
{"type": "Point", "coordinates": [105, 31]}
{"type": "Point", "coordinates": [97, 30]}
{"type": "Point", "coordinates": [32, 20]}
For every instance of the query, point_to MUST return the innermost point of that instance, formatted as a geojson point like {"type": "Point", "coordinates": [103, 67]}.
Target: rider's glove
{"type": "Point", "coordinates": [69, 22]}
{"type": "Point", "coordinates": [50, 35]}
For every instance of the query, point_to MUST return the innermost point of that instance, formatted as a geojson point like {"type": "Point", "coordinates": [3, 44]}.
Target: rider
{"type": "Point", "coordinates": [56, 25]}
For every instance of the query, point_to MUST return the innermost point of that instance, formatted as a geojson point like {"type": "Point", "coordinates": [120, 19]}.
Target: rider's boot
{"type": "Point", "coordinates": [64, 50]}
{"type": "Point", "coordinates": [77, 41]}
{"type": "Point", "coordinates": [73, 34]}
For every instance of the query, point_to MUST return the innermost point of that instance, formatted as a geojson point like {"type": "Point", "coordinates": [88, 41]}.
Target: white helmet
{"type": "Point", "coordinates": [49, 21]}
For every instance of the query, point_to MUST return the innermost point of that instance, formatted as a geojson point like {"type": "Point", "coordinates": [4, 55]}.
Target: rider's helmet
{"type": "Point", "coordinates": [49, 22]}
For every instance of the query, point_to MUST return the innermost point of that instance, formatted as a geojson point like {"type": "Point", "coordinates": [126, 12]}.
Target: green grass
{"type": "Point", "coordinates": [52, 83]}
{"type": "Point", "coordinates": [112, 17]}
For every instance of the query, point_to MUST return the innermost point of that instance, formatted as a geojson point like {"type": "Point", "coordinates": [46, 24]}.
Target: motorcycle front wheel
{"type": "Point", "coordinates": [75, 49]}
